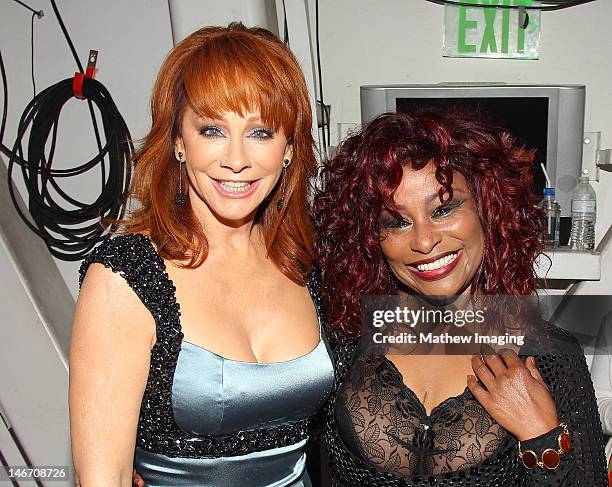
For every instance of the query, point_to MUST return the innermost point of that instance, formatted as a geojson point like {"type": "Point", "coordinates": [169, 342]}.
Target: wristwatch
{"type": "Point", "coordinates": [549, 458]}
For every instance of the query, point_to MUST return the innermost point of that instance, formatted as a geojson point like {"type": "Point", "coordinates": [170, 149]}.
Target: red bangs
{"type": "Point", "coordinates": [231, 75]}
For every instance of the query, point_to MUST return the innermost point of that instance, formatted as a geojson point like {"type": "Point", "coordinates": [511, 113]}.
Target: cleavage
{"type": "Point", "coordinates": [432, 381]}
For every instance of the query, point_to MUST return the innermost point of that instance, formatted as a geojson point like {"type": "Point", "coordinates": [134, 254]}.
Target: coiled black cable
{"type": "Point", "coordinates": [70, 234]}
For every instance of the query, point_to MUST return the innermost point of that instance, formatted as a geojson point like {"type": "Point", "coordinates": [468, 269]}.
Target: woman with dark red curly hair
{"type": "Point", "coordinates": [439, 204]}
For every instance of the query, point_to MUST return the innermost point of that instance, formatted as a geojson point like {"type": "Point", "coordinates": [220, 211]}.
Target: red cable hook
{"type": "Point", "coordinates": [77, 82]}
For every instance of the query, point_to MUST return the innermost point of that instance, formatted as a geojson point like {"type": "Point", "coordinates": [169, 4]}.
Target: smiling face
{"type": "Point", "coordinates": [436, 248]}
{"type": "Point", "coordinates": [232, 163]}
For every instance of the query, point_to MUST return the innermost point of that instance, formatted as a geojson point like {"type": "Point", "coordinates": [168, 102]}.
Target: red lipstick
{"type": "Point", "coordinates": [435, 274]}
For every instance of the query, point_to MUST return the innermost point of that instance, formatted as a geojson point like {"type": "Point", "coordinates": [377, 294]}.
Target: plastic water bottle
{"type": "Point", "coordinates": [552, 218]}
{"type": "Point", "coordinates": [584, 203]}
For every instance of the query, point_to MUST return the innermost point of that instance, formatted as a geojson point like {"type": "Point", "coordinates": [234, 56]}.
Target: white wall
{"type": "Point", "coordinates": [189, 15]}
{"type": "Point", "coordinates": [33, 378]}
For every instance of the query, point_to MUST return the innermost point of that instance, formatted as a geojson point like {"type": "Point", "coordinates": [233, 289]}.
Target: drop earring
{"type": "Point", "coordinates": [392, 282]}
{"type": "Point", "coordinates": [281, 200]}
{"type": "Point", "coordinates": [181, 198]}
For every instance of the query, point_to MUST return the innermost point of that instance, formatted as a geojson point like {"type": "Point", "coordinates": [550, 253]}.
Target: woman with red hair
{"type": "Point", "coordinates": [440, 204]}
{"type": "Point", "coordinates": [221, 389]}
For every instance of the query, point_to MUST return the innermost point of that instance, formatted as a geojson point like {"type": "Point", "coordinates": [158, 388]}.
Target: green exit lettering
{"type": "Point", "coordinates": [492, 41]}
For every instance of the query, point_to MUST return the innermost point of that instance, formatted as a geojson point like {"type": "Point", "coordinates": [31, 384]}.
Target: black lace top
{"type": "Point", "coordinates": [378, 433]}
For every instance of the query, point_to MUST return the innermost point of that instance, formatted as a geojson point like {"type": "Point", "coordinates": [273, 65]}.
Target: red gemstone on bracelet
{"type": "Point", "coordinates": [551, 458]}
{"type": "Point", "coordinates": [530, 460]}
{"type": "Point", "coordinates": [565, 442]}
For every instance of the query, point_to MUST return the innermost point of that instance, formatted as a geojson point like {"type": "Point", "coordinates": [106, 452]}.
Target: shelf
{"type": "Point", "coordinates": [569, 264]}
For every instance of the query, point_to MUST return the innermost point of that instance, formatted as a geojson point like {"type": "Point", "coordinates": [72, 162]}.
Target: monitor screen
{"type": "Point", "coordinates": [525, 118]}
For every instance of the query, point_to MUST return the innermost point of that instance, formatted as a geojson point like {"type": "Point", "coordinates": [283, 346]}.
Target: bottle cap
{"type": "Point", "coordinates": [584, 176]}
{"type": "Point", "coordinates": [549, 191]}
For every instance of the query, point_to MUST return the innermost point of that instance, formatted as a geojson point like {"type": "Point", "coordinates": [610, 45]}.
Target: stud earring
{"type": "Point", "coordinates": [181, 198]}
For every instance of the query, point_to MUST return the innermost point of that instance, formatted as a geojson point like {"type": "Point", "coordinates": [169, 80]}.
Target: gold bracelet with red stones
{"type": "Point", "coordinates": [550, 458]}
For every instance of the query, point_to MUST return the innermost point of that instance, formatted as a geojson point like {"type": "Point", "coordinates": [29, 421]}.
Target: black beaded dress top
{"type": "Point", "coordinates": [207, 420]}
{"type": "Point", "coordinates": [379, 434]}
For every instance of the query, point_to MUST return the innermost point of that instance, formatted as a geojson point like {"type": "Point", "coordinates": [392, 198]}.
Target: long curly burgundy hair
{"type": "Point", "coordinates": [361, 179]}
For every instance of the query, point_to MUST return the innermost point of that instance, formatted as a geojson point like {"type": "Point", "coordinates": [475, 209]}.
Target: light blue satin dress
{"type": "Point", "coordinates": [214, 395]}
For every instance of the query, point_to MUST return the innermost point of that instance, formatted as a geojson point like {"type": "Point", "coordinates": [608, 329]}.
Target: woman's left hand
{"type": "Point", "coordinates": [514, 394]}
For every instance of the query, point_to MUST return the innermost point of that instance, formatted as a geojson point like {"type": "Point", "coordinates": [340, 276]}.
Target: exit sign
{"type": "Point", "coordinates": [492, 32]}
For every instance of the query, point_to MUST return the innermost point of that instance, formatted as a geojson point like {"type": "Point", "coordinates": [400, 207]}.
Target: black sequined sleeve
{"type": "Point", "coordinates": [570, 384]}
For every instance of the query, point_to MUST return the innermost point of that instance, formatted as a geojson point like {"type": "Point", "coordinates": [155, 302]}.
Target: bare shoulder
{"type": "Point", "coordinates": [110, 295]}
{"type": "Point", "coordinates": [107, 302]}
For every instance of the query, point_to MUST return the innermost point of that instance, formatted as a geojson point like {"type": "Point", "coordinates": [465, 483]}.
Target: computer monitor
{"type": "Point", "coordinates": [547, 118]}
